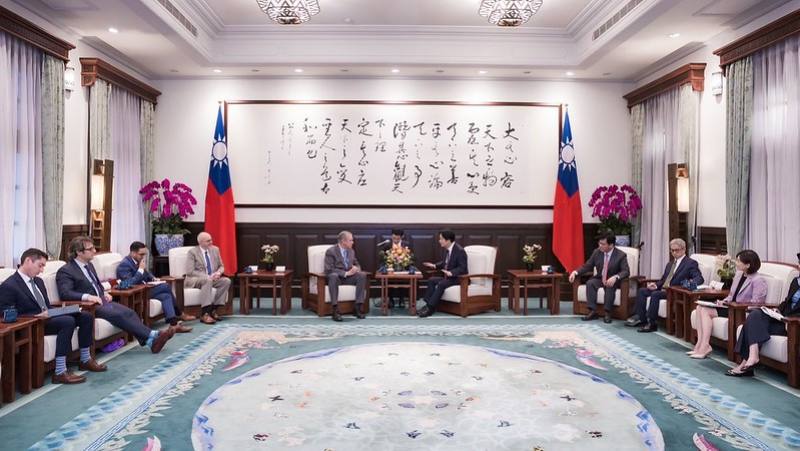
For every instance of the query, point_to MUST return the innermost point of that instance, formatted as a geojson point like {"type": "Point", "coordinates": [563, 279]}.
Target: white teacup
{"type": "Point", "coordinates": [545, 268]}
{"type": "Point", "coordinates": [253, 268]}
{"type": "Point", "coordinates": [281, 268]}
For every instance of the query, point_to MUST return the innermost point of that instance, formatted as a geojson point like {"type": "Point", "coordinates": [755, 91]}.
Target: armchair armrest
{"type": "Point", "coordinates": [792, 320]}
{"type": "Point", "coordinates": [746, 306]}
{"type": "Point", "coordinates": [580, 279]}
{"type": "Point", "coordinates": [314, 274]}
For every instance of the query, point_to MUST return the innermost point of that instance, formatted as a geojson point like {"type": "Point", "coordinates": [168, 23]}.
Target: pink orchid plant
{"type": "Point", "coordinates": [616, 207]}
{"type": "Point", "coordinates": [169, 204]}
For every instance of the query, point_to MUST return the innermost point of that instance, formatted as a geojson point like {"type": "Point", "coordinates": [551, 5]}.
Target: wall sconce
{"type": "Point", "coordinates": [69, 78]}
{"type": "Point", "coordinates": [683, 190]}
{"type": "Point", "coordinates": [101, 179]}
{"type": "Point", "coordinates": [98, 194]}
{"type": "Point", "coordinates": [716, 83]}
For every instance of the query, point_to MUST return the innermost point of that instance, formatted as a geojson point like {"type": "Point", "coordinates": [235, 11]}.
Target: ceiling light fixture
{"type": "Point", "coordinates": [675, 35]}
{"type": "Point", "coordinates": [482, 72]}
{"type": "Point", "coordinates": [509, 13]}
{"type": "Point", "coordinates": [289, 12]}
{"type": "Point", "coordinates": [298, 70]}
{"type": "Point", "coordinates": [217, 71]}
{"type": "Point", "coordinates": [570, 74]}
{"type": "Point", "coordinates": [395, 71]}
{"type": "Point", "coordinates": [113, 30]}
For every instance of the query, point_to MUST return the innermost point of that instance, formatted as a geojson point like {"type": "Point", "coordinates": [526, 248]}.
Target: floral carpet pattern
{"type": "Point", "coordinates": [492, 387]}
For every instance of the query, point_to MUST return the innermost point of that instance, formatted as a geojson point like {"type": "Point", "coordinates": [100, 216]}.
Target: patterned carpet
{"type": "Point", "coordinates": [416, 386]}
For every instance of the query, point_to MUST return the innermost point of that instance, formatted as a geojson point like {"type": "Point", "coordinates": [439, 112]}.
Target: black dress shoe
{"type": "Point", "coordinates": [592, 315]}
{"type": "Point", "coordinates": [358, 312]}
{"type": "Point", "coordinates": [648, 328]}
{"type": "Point", "coordinates": [634, 321]}
{"type": "Point", "coordinates": [607, 318]}
{"type": "Point", "coordinates": [425, 312]}
{"type": "Point", "coordinates": [336, 316]}
{"type": "Point", "coordinates": [746, 372]}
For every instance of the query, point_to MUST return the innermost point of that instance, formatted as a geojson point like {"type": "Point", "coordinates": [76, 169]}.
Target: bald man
{"type": "Point", "coordinates": [204, 270]}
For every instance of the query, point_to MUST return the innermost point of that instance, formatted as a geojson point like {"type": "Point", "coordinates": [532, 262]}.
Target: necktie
{"type": "Point", "coordinates": [605, 268]}
{"type": "Point", "coordinates": [38, 296]}
{"type": "Point", "coordinates": [208, 264]}
{"type": "Point", "coordinates": [795, 299]}
{"type": "Point", "coordinates": [346, 261]}
{"type": "Point", "coordinates": [671, 273]}
{"type": "Point", "coordinates": [95, 281]}
{"type": "Point", "coordinates": [447, 260]}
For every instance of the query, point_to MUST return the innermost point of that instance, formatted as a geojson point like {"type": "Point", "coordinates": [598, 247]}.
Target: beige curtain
{"type": "Point", "coordinates": [99, 131]}
{"type": "Point", "coordinates": [690, 142]}
{"type": "Point", "coordinates": [739, 112]}
{"type": "Point", "coordinates": [637, 122]}
{"type": "Point", "coordinates": [147, 155]}
{"type": "Point", "coordinates": [52, 117]}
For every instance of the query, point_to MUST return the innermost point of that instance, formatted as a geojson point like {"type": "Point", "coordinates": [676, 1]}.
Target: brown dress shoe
{"type": "Point", "coordinates": [216, 316]}
{"type": "Point", "coordinates": [181, 329]}
{"type": "Point", "coordinates": [185, 317]}
{"type": "Point", "coordinates": [68, 378]}
{"type": "Point", "coordinates": [208, 319]}
{"type": "Point", "coordinates": [92, 365]}
{"type": "Point", "coordinates": [162, 339]}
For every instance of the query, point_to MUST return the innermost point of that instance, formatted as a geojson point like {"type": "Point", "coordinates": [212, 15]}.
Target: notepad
{"type": "Point", "coordinates": [155, 282]}
{"type": "Point", "coordinates": [772, 313]}
{"type": "Point", "coordinates": [59, 311]}
{"type": "Point", "coordinates": [711, 304]}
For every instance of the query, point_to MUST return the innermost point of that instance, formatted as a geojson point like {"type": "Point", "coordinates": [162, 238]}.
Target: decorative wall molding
{"type": "Point", "coordinates": [693, 73]}
{"type": "Point", "coordinates": [31, 33]}
{"type": "Point", "coordinates": [712, 240]}
{"type": "Point", "coordinates": [765, 36]}
{"type": "Point", "coordinates": [94, 68]}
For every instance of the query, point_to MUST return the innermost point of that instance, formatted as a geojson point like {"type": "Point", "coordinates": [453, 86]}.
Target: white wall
{"type": "Point", "coordinates": [711, 208]}
{"type": "Point", "coordinates": [186, 114]}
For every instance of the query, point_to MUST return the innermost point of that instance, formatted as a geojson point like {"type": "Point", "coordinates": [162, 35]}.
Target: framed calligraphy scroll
{"type": "Point", "coordinates": [384, 154]}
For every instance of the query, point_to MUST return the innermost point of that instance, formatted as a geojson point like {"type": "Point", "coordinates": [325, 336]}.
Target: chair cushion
{"type": "Point", "coordinates": [50, 346]}
{"type": "Point", "coordinates": [633, 259]}
{"type": "Point", "coordinates": [453, 293]}
{"type": "Point", "coordinates": [5, 273]}
{"type": "Point", "coordinates": [106, 265]}
{"type": "Point", "coordinates": [104, 329]}
{"type": "Point", "coordinates": [707, 264]}
{"type": "Point", "coordinates": [52, 266]}
{"type": "Point", "coordinates": [774, 289]}
{"type": "Point", "coordinates": [662, 307]}
{"type": "Point", "coordinates": [600, 295]}
{"type": "Point", "coordinates": [480, 260]}
{"type": "Point", "coordinates": [191, 296]}
{"type": "Point", "coordinates": [52, 288]}
{"type": "Point", "coordinates": [177, 260]}
{"type": "Point", "coordinates": [783, 273]}
{"type": "Point", "coordinates": [346, 292]}
{"type": "Point", "coordinates": [776, 348]}
{"type": "Point", "coordinates": [719, 326]}
{"type": "Point", "coordinates": [316, 257]}
{"type": "Point", "coordinates": [155, 308]}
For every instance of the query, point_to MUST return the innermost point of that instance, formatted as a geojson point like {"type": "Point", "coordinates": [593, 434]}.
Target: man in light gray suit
{"type": "Point", "coordinates": [610, 267]}
{"type": "Point", "coordinates": [204, 270]}
{"type": "Point", "coordinates": [342, 268]}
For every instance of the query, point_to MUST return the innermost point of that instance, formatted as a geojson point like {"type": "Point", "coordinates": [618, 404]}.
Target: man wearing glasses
{"type": "Point", "coordinates": [679, 269]}
{"type": "Point", "coordinates": [133, 268]}
{"type": "Point", "coordinates": [77, 280]}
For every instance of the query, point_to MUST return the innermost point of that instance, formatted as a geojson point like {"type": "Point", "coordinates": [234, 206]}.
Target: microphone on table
{"type": "Point", "coordinates": [383, 242]}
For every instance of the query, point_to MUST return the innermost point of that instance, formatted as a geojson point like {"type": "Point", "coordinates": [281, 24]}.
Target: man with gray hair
{"type": "Point", "coordinates": [204, 270]}
{"type": "Point", "coordinates": [342, 268]}
{"type": "Point", "coordinates": [679, 269]}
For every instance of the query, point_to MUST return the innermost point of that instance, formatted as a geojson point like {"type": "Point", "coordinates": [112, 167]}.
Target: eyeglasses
{"type": "Point", "coordinates": [675, 250]}
{"type": "Point", "coordinates": [88, 249]}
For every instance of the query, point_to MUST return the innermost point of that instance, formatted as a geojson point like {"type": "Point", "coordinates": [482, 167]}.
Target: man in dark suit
{"type": "Point", "coordinates": [342, 268]}
{"type": "Point", "coordinates": [678, 270]}
{"type": "Point", "coordinates": [453, 265]}
{"type": "Point", "coordinates": [397, 240]}
{"type": "Point", "coordinates": [133, 268]}
{"type": "Point", "coordinates": [26, 292]}
{"type": "Point", "coordinates": [77, 280]}
{"type": "Point", "coordinates": [610, 267]}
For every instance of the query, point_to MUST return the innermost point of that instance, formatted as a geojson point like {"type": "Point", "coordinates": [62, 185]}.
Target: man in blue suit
{"type": "Point", "coordinates": [453, 265]}
{"type": "Point", "coordinates": [78, 280]}
{"type": "Point", "coordinates": [26, 292]}
{"type": "Point", "coordinates": [133, 268]}
{"type": "Point", "coordinates": [680, 269]}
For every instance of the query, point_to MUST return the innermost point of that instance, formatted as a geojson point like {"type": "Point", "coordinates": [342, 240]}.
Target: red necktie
{"type": "Point", "coordinates": [605, 268]}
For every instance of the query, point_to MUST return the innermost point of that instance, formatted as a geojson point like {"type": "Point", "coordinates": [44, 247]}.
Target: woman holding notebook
{"type": "Point", "coordinates": [760, 325]}
{"type": "Point", "coordinates": [748, 287]}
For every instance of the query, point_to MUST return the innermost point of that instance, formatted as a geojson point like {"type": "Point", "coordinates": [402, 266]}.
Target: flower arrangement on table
{"type": "Point", "coordinates": [169, 204]}
{"type": "Point", "coordinates": [726, 269]}
{"type": "Point", "coordinates": [398, 258]}
{"type": "Point", "coordinates": [616, 207]}
{"type": "Point", "coordinates": [529, 254]}
{"type": "Point", "coordinates": [270, 250]}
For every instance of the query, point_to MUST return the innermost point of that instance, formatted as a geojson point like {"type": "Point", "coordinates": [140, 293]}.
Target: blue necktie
{"type": "Point", "coordinates": [344, 257]}
{"type": "Point", "coordinates": [208, 263]}
{"type": "Point", "coordinates": [796, 297]}
{"type": "Point", "coordinates": [98, 287]}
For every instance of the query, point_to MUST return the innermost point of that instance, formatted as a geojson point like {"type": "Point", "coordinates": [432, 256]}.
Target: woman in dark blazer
{"type": "Point", "coordinates": [757, 329]}
{"type": "Point", "coordinates": [748, 287]}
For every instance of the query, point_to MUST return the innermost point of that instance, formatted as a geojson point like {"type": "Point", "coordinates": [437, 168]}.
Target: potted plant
{"type": "Point", "coordinates": [530, 252]}
{"type": "Point", "coordinates": [616, 207]}
{"type": "Point", "coordinates": [398, 258]}
{"type": "Point", "coordinates": [169, 204]}
{"type": "Point", "coordinates": [726, 270]}
{"type": "Point", "coordinates": [268, 260]}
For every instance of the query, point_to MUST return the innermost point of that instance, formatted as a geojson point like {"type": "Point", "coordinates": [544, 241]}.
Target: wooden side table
{"type": "Point", "coordinates": [259, 280]}
{"type": "Point", "coordinates": [20, 347]}
{"type": "Point", "coordinates": [399, 280]}
{"type": "Point", "coordinates": [521, 278]}
{"type": "Point", "coordinates": [679, 308]}
{"type": "Point", "coordinates": [134, 298]}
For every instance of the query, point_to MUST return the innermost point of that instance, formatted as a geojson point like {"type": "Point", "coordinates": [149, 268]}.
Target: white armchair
{"type": "Point", "coordinates": [188, 299]}
{"type": "Point", "coordinates": [477, 291]}
{"type": "Point", "coordinates": [52, 266]}
{"type": "Point", "coordinates": [624, 298]}
{"type": "Point", "coordinates": [317, 295]}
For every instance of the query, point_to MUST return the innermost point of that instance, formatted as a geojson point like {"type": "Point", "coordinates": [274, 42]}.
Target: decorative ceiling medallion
{"type": "Point", "coordinates": [509, 13]}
